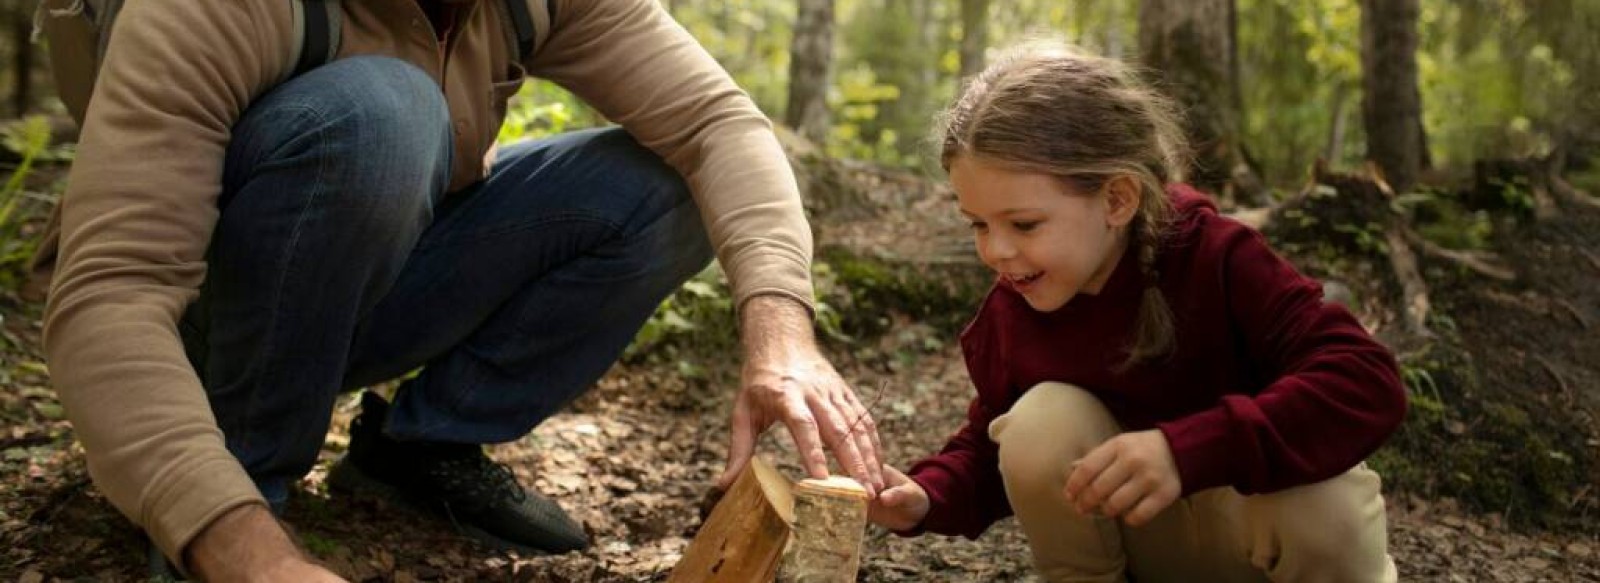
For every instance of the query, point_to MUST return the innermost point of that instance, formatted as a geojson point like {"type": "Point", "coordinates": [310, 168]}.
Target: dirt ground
{"type": "Point", "coordinates": [631, 461]}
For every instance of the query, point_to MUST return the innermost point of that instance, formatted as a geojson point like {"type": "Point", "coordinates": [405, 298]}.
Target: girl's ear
{"type": "Point", "coordinates": [1122, 200]}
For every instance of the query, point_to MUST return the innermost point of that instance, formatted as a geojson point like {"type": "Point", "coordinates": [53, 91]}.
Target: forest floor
{"type": "Point", "coordinates": [633, 459]}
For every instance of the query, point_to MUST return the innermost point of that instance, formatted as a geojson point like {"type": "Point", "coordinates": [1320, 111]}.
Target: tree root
{"type": "Point", "coordinates": [1482, 263]}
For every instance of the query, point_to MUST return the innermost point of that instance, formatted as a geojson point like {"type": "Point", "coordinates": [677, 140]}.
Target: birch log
{"type": "Point", "coordinates": [830, 516]}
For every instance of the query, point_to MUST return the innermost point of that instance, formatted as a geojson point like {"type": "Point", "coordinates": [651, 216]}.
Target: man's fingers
{"type": "Point", "coordinates": [865, 432]}
{"type": "Point", "coordinates": [858, 425]}
{"type": "Point", "coordinates": [836, 433]}
{"type": "Point", "coordinates": [803, 428]}
{"type": "Point", "coordinates": [742, 446]}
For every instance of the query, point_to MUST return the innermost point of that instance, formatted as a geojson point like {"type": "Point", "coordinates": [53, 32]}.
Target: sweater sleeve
{"type": "Point", "coordinates": [965, 490]}
{"type": "Point", "coordinates": [137, 214]}
{"type": "Point", "coordinates": [639, 68]}
{"type": "Point", "coordinates": [1332, 394]}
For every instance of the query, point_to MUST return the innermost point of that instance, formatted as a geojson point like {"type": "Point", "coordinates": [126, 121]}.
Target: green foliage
{"type": "Point", "coordinates": [29, 139]}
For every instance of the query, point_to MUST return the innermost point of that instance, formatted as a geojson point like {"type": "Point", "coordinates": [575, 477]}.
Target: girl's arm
{"type": "Point", "coordinates": [1334, 396]}
{"type": "Point", "coordinates": [965, 492]}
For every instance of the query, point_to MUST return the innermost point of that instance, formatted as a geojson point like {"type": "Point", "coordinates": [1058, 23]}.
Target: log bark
{"type": "Point", "coordinates": [745, 535]}
{"type": "Point", "coordinates": [830, 516]}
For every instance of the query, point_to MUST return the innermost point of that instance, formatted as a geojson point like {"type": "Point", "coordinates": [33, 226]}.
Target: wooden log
{"type": "Point", "coordinates": [744, 537]}
{"type": "Point", "coordinates": [830, 517]}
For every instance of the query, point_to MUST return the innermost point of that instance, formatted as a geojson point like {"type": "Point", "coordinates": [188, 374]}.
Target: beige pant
{"type": "Point", "coordinates": [1328, 531]}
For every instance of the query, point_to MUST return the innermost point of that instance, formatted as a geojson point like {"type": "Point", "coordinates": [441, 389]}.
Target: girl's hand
{"type": "Point", "coordinates": [1131, 476]}
{"type": "Point", "coordinates": [902, 505]}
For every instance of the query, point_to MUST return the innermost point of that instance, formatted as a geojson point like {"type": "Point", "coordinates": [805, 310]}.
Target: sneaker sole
{"type": "Point", "coordinates": [346, 478]}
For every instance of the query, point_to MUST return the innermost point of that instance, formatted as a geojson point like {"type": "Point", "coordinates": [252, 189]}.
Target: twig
{"type": "Point", "coordinates": [1560, 380]}
{"type": "Point", "coordinates": [1593, 259]}
{"type": "Point", "coordinates": [1576, 315]}
{"type": "Point", "coordinates": [26, 441]}
{"type": "Point", "coordinates": [873, 405]}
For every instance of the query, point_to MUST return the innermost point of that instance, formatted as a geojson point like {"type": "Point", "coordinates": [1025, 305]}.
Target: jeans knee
{"type": "Point", "coordinates": [362, 144]}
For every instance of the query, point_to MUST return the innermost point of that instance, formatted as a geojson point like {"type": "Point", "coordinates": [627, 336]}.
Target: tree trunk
{"type": "Point", "coordinates": [1392, 105]}
{"type": "Point", "coordinates": [22, 30]}
{"type": "Point", "coordinates": [1191, 43]}
{"type": "Point", "coordinates": [974, 36]}
{"type": "Point", "coordinates": [1336, 126]}
{"type": "Point", "coordinates": [810, 62]}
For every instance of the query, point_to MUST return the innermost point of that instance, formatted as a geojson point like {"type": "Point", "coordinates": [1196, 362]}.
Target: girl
{"type": "Point", "coordinates": [1159, 395]}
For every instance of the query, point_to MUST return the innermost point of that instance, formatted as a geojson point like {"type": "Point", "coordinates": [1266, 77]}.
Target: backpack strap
{"type": "Point", "coordinates": [317, 26]}
{"type": "Point", "coordinates": [522, 25]}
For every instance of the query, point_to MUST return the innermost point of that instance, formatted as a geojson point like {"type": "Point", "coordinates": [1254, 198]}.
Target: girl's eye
{"type": "Point", "coordinates": [978, 226]}
{"type": "Point", "coordinates": [1025, 226]}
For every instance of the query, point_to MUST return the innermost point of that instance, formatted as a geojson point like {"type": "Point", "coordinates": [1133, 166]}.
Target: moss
{"type": "Point", "coordinates": [869, 291]}
{"type": "Point", "coordinates": [1492, 454]}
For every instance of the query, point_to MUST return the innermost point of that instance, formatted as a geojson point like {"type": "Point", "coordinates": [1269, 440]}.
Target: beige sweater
{"type": "Point", "coordinates": [140, 205]}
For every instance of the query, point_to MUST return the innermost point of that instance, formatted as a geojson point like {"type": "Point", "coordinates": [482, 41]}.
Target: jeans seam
{"type": "Point", "coordinates": [561, 217]}
{"type": "Point", "coordinates": [291, 245]}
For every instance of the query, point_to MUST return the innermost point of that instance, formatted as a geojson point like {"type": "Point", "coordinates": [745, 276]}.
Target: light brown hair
{"type": "Point", "coordinates": [1047, 107]}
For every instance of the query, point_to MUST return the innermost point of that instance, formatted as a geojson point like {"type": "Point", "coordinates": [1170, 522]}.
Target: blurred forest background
{"type": "Point", "coordinates": [1432, 160]}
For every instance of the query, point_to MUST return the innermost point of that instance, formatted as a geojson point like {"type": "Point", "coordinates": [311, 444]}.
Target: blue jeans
{"type": "Point", "coordinates": [340, 261]}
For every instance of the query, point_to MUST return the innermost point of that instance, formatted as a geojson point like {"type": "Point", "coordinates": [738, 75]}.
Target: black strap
{"type": "Point", "coordinates": [522, 22]}
{"type": "Point", "coordinates": [318, 37]}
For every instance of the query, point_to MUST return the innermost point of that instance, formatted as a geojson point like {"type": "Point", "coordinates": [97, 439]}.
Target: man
{"type": "Point", "coordinates": [240, 244]}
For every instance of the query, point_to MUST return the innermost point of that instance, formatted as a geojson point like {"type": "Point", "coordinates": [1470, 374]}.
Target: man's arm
{"type": "Point", "coordinates": [137, 216]}
{"type": "Point", "coordinates": [635, 65]}
{"type": "Point", "coordinates": [786, 379]}
{"type": "Point", "coordinates": [248, 544]}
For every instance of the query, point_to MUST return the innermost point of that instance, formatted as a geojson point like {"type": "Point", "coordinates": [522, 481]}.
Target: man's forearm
{"type": "Point", "coordinates": [772, 324]}
{"type": "Point", "coordinates": [244, 541]}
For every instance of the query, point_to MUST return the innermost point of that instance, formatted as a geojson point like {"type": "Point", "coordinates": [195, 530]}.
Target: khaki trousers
{"type": "Point", "coordinates": [1333, 530]}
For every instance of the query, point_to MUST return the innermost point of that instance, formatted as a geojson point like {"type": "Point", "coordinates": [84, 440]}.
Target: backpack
{"type": "Point", "coordinates": [79, 29]}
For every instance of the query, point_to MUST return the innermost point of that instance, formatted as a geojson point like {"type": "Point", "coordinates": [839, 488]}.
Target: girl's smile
{"type": "Point", "coordinates": [1043, 238]}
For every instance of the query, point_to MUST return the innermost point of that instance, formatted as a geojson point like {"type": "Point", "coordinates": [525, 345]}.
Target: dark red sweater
{"type": "Point", "coordinates": [1268, 387]}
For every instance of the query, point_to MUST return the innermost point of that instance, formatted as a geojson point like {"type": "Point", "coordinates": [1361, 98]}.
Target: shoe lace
{"type": "Point", "coordinates": [476, 482]}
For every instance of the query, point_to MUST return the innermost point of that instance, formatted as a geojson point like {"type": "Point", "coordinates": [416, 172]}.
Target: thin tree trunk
{"type": "Point", "coordinates": [1392, 105]}
{"type": "Point", "coordinates": [810, 63]}
{"type": "Point", "coordinates": [1191, 43]}
{"type": "Point", "coordinates": [1336, 126]}
{"type": "Point", "coordinates": [974, 36]}
{"type": "Point", "coordinates": [23, 64]}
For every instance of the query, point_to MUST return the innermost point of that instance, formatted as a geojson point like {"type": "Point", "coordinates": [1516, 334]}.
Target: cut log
{"type": "Point", "coordinates": [745, 535]}
{"type": "Point", "coordinates": [766, 528]}
{"type": "Point", "coordinates": [830, 515]}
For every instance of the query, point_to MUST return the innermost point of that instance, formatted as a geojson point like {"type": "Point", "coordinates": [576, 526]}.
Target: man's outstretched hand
{"type": "Point", "coordinates": [247, 544]}
{"type": "Point", "coordinates": [786, 379]}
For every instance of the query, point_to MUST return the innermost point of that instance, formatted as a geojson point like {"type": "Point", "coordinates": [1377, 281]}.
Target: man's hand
{"type": "Point", "coordinates": [1132, 474]}
{"type": "Point", "coordinates": [246, 544]}
{"type": "Point", "coordinates": [786, 379]}
{"type": "Point", "coordinates": [902, 506]}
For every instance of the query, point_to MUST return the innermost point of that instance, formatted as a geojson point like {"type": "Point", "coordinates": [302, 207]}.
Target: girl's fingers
{"type": "Point", "coordinates": [1087, 469]}
{"type": "Point", "coordinates": [1110, 480]}
{"type": "Point", "coordinates": [1126, 497]}
{"type": "Point", "coordinates": [1148, 508]}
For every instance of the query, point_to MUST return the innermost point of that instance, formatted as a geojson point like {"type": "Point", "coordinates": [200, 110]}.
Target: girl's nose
{"type": "Point", "coordinates": [995, 249]}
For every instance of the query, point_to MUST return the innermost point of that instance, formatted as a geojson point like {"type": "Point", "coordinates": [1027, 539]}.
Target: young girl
{"type": "Point", "coordinates": [1159, 395]}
